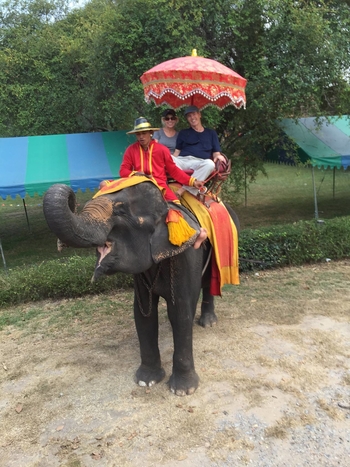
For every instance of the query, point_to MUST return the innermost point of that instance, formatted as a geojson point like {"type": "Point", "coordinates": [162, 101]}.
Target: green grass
{"type": "Point", "coordinates": [286, 195]}
{"type": "Point", "coordinates": [31, 242]}
{"type": "Point", "coordinates": [18, 317]}
{"type": "Point", "coordinates": [48, 317]}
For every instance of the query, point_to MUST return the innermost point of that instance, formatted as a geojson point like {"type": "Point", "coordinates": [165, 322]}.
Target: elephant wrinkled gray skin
{"type": "Point", "coordinates": [129, 231]}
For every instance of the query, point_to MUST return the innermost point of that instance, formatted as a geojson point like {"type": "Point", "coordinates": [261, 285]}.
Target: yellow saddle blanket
{"type": "Point", "coordinates": [121, 183]}
{"type": "Point", "coordinates": [223, 236]}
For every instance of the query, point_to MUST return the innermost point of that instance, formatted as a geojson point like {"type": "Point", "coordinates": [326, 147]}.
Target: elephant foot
{"type": "Point", "coordinates": [184, 385]}
{"type": "Point", "coordinates": [146, 376]}
{"type": "Point", "coordinates": [208, 319]}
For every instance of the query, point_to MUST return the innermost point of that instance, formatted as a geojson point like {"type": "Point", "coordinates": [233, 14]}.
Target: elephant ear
{"type": "Point", "coordinates": [161, 248]}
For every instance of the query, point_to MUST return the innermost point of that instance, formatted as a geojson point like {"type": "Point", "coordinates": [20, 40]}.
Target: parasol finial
{"type": "Point", "coordinates": [194, 53]}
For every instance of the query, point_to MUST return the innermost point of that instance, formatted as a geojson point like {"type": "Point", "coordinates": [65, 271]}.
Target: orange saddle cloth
{"type": "Point", "coordinates": [223, 236]}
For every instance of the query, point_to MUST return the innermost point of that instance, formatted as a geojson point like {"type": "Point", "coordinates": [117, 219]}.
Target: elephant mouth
{"type": "Point", "coordinates": [104, 251]}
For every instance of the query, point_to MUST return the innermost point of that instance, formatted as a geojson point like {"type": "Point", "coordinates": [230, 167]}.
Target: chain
{"type": "Point", "coordinates": [172, 280]}
{"type": "Point", "coordinates": [150, 291]}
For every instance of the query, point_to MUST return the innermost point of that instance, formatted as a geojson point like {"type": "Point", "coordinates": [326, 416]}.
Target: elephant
{"type": "Point", "coordinates": [129, 232]}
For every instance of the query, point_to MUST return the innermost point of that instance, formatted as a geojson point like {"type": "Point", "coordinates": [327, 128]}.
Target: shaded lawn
{"type": "Point", "coordinates": [286, 195]}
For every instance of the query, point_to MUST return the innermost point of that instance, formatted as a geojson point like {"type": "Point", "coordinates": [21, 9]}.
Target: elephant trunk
{"type": "Point", "coordinates": [87, 229]}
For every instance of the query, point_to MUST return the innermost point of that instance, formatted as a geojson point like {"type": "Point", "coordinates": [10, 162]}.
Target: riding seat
{"type": "Point", "coordinates": [215, 180]}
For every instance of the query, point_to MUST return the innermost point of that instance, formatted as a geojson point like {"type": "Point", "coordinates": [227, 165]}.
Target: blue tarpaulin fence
{"type": "Point", "coordinates": [30, 165]}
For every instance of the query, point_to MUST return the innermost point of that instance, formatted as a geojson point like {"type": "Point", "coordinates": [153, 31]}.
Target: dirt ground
{"type": "Point", "coordinates": [274, 391]}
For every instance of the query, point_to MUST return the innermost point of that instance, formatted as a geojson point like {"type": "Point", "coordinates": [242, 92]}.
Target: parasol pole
{"type": "Point", "coordinates": [193, 54]}
{"type": "Point", "coordinates": [245, 186]}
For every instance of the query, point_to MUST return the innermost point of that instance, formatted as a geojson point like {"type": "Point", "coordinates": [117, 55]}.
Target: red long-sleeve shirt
{"type": "Point", "coordinates": [157, 162]}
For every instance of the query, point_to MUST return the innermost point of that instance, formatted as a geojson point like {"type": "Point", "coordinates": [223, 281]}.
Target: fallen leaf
{"type": "Point", "coordinates": [60, 428]}
{"type": "Point", "coordinates": [19, 408]}
{"type": "Point", "coordinates": [344, 405]}
{"type": "Point", "coordinates": [4, 366]}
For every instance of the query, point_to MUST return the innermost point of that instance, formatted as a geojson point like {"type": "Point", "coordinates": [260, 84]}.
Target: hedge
{"type": "Point", "coordinates": [56, 279]}
{"type": "Point", "coordinates": [269, 247]}
{"type": "Point", "coordinates": [292, 245]}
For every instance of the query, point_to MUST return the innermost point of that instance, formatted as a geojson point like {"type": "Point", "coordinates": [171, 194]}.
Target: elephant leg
{"type": "Point", "coordinates": [184, 379]}
{"type": "Point", "coordinates": [150, 371]}
{"type": "Point", "coordinates": [208, 316]}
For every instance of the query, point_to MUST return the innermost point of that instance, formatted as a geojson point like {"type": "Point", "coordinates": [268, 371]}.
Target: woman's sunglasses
{"type": "Point", "coordinates": [170, 118]}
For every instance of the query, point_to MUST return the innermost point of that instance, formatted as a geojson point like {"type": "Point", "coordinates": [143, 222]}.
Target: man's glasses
{"type": "Point", "coordinates": [169, 118]}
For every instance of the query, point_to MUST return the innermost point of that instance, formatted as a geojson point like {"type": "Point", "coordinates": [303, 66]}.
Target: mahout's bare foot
{"type": "Point", "coordinates": [180, 192]}
{"type": "Point", "coordinates": [200, 239]}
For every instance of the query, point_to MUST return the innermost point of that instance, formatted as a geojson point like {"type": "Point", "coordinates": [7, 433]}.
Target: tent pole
{"type": "Point", "coordinates": [315, 194]}
{"type": "Point", "coordinates": [25, 210]}
{"type": "Point", "coordinates": [3, 256]}
{"type": "Point", "coordinates": [245, 186]}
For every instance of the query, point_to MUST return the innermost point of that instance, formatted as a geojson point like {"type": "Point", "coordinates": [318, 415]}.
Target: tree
{"type": "Point", "coordinates": [133, 36]}
{"type": "Point", "coordinates": [35, 84]}
{"type": "Point", "coordinates": [69, 71]}
{"type": "Point", "coordinates": [295, 56]}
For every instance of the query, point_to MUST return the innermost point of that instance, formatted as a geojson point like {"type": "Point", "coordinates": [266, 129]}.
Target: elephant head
{"type": "Point", "coordinates": [127, 227]}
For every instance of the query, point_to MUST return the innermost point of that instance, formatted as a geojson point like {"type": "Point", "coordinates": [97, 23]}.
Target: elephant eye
{"type": "Point", "coordinates": [118, 208]}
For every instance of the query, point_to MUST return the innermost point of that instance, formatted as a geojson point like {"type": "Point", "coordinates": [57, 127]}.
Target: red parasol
{"type": "Point", "coordinates": [193, 81]}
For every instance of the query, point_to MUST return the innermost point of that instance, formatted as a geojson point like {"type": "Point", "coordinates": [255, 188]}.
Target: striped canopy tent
{"type": "Point", "coordinates": [31, 164]}
{"type": "Point", "coordinates": [324, 142]}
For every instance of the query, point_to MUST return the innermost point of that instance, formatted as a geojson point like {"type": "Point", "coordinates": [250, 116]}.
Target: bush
{"type": "Point", "coordinates": [287, 245]}
{"type": "Point", "coordinates": [66, 278]}
{"type": "Point", "coordinates": [299, 243]}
